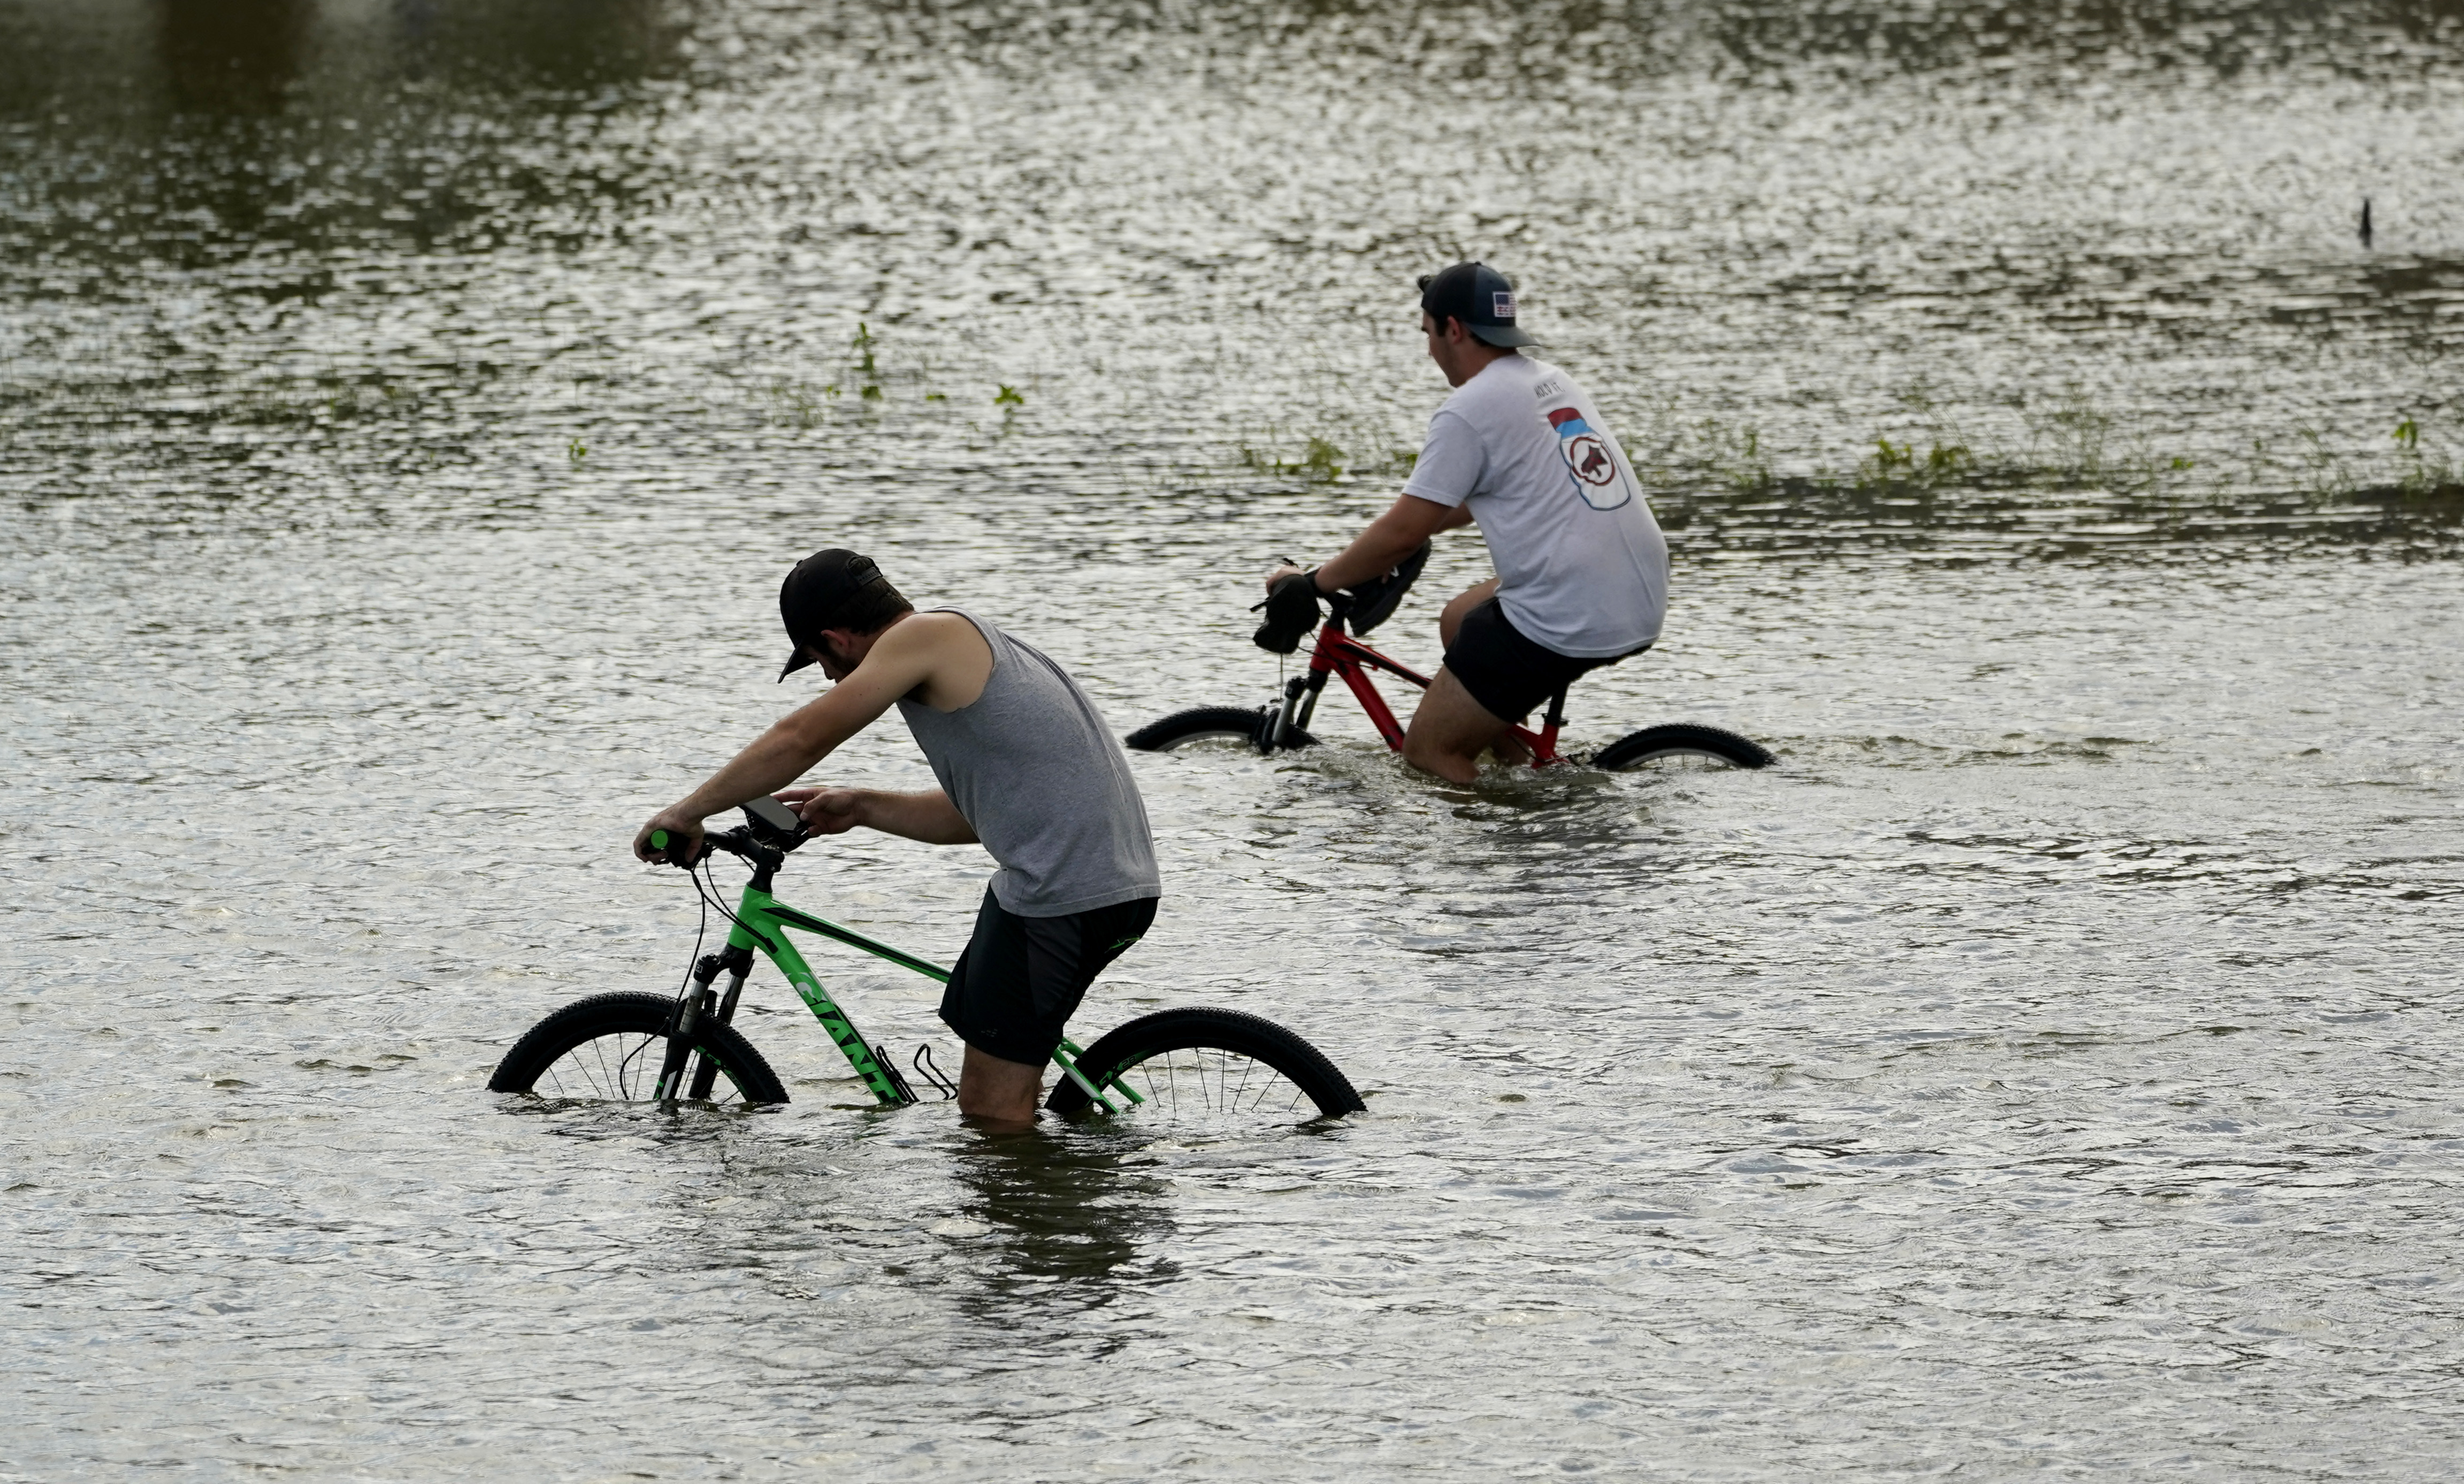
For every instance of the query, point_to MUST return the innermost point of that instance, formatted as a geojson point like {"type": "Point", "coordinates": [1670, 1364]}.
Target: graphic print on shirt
{"type": "Point", "coordinates": [1590, 461]}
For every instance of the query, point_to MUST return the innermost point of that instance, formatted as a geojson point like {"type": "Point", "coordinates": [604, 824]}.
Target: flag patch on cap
{"type": "Point", "coordinates": [1505, 305]}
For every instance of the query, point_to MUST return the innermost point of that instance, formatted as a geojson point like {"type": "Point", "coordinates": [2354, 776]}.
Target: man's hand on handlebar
{"type": "Point", "coordinates": [679, 843]}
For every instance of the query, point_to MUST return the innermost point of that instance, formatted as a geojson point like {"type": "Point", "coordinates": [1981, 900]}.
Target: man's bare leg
{"type": "Point", "coordinates": [1450, 731]}
{"type": "Point", "coordinates": [1450, 622]}
{"type": "Point", "coordinates": [998, 1093]}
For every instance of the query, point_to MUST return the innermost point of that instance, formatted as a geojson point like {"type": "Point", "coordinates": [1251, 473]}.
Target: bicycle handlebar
{"type": "Point", "coordinates": [663, 841]}
{"type": "Point", "coordinates": [754, 840]}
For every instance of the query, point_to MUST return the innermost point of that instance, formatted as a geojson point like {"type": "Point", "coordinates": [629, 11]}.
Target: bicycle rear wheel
{"type": "Point", "coordinates": [1681, 745]}
{"type": "Point", "coordinates": [609, 1048]}
{"type": "Point", "coordinates": [1204, 1065]}
{"type": "Point", "coordinates": [1213, 724]}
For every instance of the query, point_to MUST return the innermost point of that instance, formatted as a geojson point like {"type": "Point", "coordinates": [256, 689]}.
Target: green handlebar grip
{"type": "Point", "coordinates": [658, 840]}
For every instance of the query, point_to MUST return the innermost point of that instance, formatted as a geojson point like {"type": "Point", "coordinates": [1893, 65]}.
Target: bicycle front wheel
{"type": "Point", "coordinates": [1201, 1065]}
{"type": "Point", "coordinates": [609, 1048]}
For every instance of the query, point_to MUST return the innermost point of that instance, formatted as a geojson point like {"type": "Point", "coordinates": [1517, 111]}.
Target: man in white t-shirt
{"type": "Point", "coordinates": [1582, 569]}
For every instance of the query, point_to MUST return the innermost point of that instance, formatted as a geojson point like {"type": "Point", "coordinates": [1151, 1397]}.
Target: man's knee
{"type": "Point", "coordinates": [1450, 618]}
{"type": "Point", "coordinates": [996, 1088]}
{"type": "Point", "coordinates": [1430, 757]}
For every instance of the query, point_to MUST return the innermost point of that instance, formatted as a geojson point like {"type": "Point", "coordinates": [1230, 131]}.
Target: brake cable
{"type": "Point", "coordinates": [700, 929]}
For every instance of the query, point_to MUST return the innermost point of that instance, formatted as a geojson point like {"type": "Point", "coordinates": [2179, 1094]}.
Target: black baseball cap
{"type": "Point", "coordinates": [1480, 296]}
{"type": "Point", "coordinates": [823, 586]}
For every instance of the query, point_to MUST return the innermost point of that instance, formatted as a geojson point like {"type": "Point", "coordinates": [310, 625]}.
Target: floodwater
{"type": "Point", "coordinates": [407, 411]}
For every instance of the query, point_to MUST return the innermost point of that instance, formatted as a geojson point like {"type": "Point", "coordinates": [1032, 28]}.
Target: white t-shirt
{"type": "Point", "coordinates": [1583, 568]}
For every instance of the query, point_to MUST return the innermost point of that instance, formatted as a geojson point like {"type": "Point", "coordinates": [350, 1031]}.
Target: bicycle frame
{"type": "Point", "coordinates": [760, 922]}
{"type": "Point", "coordinates": [1339, 653]}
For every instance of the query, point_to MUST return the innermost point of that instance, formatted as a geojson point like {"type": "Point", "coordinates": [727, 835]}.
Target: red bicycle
{"type": "Point", "coordinates": [1285, 723]}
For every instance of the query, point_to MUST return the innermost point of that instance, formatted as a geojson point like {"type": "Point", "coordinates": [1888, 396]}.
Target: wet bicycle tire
{"type": "Point", "coordinates": [1213, 724]}
{"type": "Point", "coordinates": [625, 1037]}
{"type": "Point", "coordinates": [1684, 741]}
{"type": "Point", "coordinates": [1133, 1051]}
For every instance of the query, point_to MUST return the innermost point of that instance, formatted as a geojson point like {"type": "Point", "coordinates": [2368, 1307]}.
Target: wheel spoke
{"type": "Point", "coordinates": [619, 1067]}
{"type": "Point", "coordinates": [1220, 1085]}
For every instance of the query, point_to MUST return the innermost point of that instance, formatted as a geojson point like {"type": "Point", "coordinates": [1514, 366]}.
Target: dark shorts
{"type": "Point", "coordinates": [1021, 978]}
{"type": "Point", "coordinates": [1505, 672]}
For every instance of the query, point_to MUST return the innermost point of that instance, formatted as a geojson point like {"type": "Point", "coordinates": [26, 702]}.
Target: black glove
{"type": "Point", "coordinates": [1374, 601]}
{"type": "Point", "coordinates": [1291, 611]}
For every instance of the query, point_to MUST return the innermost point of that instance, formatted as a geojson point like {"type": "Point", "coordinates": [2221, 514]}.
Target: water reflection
{"type": "Point", "coordinates": [232, 57]}
{"type": "Point", "coordinates": [1063, 1216]}
{"type": "Point", "coordinates": [558, 44]}
{"type": "Point", "coordinates": [263, 58]}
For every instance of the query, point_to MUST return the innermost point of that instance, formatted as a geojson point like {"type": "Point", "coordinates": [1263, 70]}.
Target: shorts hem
{"type": "Point", "coordinates": [998, 1046]}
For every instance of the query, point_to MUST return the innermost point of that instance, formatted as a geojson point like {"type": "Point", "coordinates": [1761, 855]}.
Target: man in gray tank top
{"type": "Point", "coordinates": [1027, 767]}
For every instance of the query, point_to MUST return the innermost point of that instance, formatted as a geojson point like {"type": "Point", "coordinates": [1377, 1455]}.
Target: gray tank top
{"type": "Point", "coordinates": [1035, 770]}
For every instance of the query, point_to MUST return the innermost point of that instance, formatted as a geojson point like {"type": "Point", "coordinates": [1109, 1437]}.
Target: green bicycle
{"type": "Point", "coordinates": [1183, 1065]}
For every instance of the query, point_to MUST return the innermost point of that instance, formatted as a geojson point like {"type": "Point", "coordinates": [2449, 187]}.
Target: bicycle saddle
{"type": "Point", "coordinates": [1374, 601]}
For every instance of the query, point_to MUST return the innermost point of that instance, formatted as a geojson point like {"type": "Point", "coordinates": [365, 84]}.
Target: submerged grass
{"type": "Point", "coordinates": [2060, 441]}
{"type": "Point", "coordinates": [2065, 441]}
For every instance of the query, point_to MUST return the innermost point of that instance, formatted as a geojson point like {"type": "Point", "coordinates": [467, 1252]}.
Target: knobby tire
{"type": "Point", "coordinates": [1681, 740]}
{"type": "Point", "coordinates": [1213, 724]}
{"type": "Point", "coordinates": [617, 1019]}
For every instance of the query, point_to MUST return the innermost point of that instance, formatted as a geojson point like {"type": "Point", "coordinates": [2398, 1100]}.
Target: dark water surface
{"type": "Point", "coordinates": [407, 408]}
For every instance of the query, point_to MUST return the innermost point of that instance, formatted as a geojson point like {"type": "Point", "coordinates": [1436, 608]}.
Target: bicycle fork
{"type": "Point", "coordinates": [1300, 703]}
{"type": "Point", "coordinates": [687, 1068]}
{"type": "Point", "coordinates": [684, 1066]}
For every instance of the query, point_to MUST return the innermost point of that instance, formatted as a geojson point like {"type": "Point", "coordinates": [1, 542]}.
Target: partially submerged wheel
{"type": "Point", "coordinates": [1216, 724]}
{"type": "Point", "coordinates": [1210, 1066]}
{"type": "Point", "coordinates": [1681, 745]}
{"type": "Point", "coordinates": [609, 1048]}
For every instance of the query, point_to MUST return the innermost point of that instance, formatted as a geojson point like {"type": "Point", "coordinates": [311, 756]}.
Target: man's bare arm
{"type": "Point", "coordinates": [928, 816]}
{"type": "Point", "coordinates": [1388, 540]}
{"type": "Point", "coordinates": [899, 663]}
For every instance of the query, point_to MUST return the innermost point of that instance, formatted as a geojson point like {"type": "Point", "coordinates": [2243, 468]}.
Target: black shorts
{"type": "Point", "coordinates": [1508, 673]}
{"type": "Point", "coordinates": [1021, 978]}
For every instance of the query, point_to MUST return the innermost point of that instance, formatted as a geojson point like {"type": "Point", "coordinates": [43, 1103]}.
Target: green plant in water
{"type": "Point", "coordinates": [935, 396]}
{"type": "Point", "coordinates": [1007, 396]}
{"type": "Point", "coordinates": [1321, 459]}
{"type": "Point", "coordinates": [2324, 470]}
{"type": "Point", "coordinates": [2079, 430]}
{"type": "Point", "coordinates": [1735, 455]}
{"type": "Point", "coordinates": [866, 366]}
{"type": "Point", "coordinates": [1900, 464]}
{"type": "Point", "coordinates": [576, 451]}
{"type": "Point", "coordinates": [2425, 475]}
{"type": "Point", "coordinates": [801, 403]}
